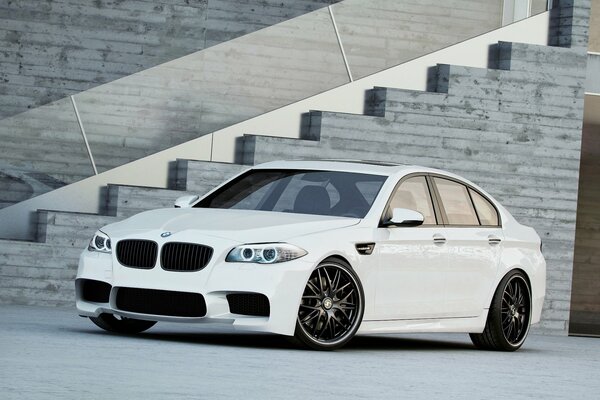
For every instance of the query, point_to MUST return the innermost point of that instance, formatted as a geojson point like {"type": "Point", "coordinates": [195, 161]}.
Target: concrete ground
{"type": "Point", "coordinates": [50, 353]}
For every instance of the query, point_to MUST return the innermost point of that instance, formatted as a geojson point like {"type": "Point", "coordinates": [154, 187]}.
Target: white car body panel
{"type": "Point", "coordinates": [411, 284]}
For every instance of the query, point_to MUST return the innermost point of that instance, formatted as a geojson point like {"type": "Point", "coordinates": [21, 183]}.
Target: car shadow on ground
{"type": "Point", "coordinates": [270, 341]}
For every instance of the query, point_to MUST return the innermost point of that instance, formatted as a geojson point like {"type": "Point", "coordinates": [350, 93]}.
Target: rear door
{"type": "Point", "coordinates": [474, 243]}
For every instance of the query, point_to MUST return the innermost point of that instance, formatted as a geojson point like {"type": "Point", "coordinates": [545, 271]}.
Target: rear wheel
{"type": "Point", "coordinates": [112, 323]}
{"type": "Point", "coordinates": [509, 316]}
{"type": "Point", "coordinates": [331, 308]}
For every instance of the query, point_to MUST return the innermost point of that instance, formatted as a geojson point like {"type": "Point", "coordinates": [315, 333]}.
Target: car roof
{"type": "Point", "coordinates": [359, 166]}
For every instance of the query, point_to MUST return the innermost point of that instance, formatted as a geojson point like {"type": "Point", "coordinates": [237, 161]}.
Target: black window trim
{"type": "Point", "coordinates": [443, 211]}
{"type": "Point", "coordinates": [436, 211]}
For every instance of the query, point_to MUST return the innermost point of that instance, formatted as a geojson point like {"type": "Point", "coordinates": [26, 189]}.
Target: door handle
{"type": "Point", "coordinates": [439, 239]}
{"type": "Point", "coordinates": [493, 240]}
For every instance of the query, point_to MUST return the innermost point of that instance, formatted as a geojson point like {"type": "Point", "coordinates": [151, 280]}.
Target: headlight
{"type": "Point", "coordinates": [265, 253]}
{"type": "Point", "coordinates": [100, 242]}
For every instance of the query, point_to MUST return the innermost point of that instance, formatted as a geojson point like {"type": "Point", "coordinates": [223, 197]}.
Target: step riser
{"type": "Point", "coordinates": [526, 57]}
{"type": "Point", "coordinates": [202, 176]}
{"type": "Point", "coordinates": [431, 151]}
{"type": "Point", "coordinates": [124, 201]}
{"type": "Point", "coordinates": [69, 229]}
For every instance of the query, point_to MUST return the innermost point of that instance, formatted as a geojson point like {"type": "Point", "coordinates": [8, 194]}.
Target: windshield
{"type": "Point", "coordinates": [340, 194]}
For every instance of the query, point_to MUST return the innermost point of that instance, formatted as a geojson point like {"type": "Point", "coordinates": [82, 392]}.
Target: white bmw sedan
{"type": "Point", "coordinates": [321, 251]}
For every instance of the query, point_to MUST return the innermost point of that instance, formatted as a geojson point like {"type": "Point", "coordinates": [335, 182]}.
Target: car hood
{"type": "Point", "coordinates": [244, 226]}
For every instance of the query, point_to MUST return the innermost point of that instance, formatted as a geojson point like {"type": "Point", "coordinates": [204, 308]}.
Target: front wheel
{"type": "Point", "coordinates": [111, 323]}
{"type": "Point", "coordinates": [331, 308]}
{"type": "Point", "coordinates": [509, 316]}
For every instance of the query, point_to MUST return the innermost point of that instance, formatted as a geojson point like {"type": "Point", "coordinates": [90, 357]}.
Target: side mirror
{"type": "Point", "coordinates": [186, 201]}
{"type": "Point", "coordinates": [405, 217]}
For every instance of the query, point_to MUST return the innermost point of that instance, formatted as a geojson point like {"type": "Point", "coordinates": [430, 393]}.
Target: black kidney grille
{"type": "Point", "coordinates": [176, 256]}
{"type": "Point", "coordinates": [255, 304]}
{"type": "Point", "coordinates": [137, 253]}
{"type": "Point", "coordinates": [161, 302]}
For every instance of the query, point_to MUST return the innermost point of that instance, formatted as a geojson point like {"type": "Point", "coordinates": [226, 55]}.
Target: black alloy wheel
{"type": "Point", "coordinates": [509, 316]}
{"type": "Point", "coordinates": [331, 308]}
{"type": "Point", "coordinates": [118, 324]}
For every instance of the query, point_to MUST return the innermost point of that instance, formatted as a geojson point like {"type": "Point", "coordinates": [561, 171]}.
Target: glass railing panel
{"type": "Point", "coordinates": [198, 94]}
{"type": "Point", "coordinates": [408, 29]}
{"type": "Point", "coordinates": [42, 150]}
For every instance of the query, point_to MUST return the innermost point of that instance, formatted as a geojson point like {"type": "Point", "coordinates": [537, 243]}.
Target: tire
{"type": "Point", "coordinates": [111, 323]}
{"type": "Point", "coordinates": [509, 316]}
{"type": "Point", "coordinates": [331, 308]}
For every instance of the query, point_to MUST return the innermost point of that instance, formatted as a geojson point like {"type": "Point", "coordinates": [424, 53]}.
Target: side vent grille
{"type": "Point", "coordinates": [365, 248]}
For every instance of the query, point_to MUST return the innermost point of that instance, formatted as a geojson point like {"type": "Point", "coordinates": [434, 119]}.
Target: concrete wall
{"type": "Point", "coordinates": [54, 48]}
{"type": "Point", "coordinates": [208, 90]}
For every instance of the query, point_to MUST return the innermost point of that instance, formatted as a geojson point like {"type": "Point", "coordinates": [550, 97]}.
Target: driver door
{"type": "Point", "coordinates": [410, 276]}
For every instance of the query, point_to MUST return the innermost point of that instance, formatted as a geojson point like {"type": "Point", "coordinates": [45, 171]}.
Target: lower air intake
{"type": "Point", "coordinates": [91, 290]}
{"type": "Point", "coordinates": [161, 302]}
{"type": "Point", "coordinates": [255, 304]}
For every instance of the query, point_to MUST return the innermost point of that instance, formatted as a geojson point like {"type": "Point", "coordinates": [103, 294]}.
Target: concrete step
{"type": "Point", "coordinates": [526, 76]}
{"type": "Point", "coordinates": [444, 113]}
{"type": "Point", "coordinates": [527, 90]}
{"type": "Point", "coordinates": [527, 57]}
{"type": "Point", "coordinates": [69, 229]}
{"type": "Point", "coordinates": [202, 176]}
{"type": "Point", "coordinates": [354, 136]}
{"type": "Point", "coordinates": [124, 200]}
{"type": "Point", "coordinates": [485, 97]}
{"type": "Point", "coordinates": [403, 124]}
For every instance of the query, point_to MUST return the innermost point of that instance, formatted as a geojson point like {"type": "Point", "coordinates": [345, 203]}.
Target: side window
{"type": "Point", "coordinates": [414, 194]}
{"type": "Point", "coordinates": [456, 202]}
{"type": "Point", "coordinates": [488, 216]}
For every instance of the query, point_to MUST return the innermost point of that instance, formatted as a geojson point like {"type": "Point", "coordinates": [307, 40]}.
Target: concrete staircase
{"type": "Point", "coordinates": [514, 128]}
{"type": "Point", "coordinates": [42, 272]}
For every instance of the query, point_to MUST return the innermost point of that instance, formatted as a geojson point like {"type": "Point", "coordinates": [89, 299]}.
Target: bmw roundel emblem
{"type": "Point", "coordinates": [165, 234]}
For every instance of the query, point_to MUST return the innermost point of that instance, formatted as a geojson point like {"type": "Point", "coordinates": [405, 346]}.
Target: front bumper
{"type": "Point", "coordinates": [281, 283]}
